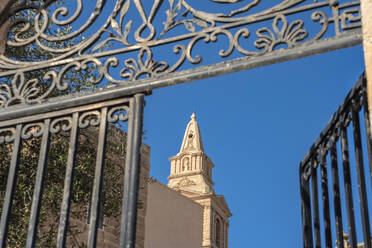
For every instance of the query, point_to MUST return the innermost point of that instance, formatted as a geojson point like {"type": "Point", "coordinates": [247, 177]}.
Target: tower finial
{"type": "Point", "coordinates": [192, 140]}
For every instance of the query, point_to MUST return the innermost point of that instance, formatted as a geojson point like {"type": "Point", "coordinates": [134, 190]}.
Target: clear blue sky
{"type": "Point", "coordinates": [256, 126]}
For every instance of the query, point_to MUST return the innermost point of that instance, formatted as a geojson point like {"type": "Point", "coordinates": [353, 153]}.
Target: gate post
{"type": "Point", "coordinates": [366, 8]}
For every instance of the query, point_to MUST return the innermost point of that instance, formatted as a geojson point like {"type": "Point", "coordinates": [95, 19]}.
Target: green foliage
{"type": "Point", "coordinates": [22, 27]}
{"type": "Point", "coordinates": [54, 182]}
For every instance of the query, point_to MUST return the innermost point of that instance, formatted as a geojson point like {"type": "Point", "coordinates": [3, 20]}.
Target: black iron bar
{"type": "Point", "coordinates": [348, 188]}
{"type": "Point", "coordinates": [39, 186]}
{"type": "Point", "coordinates": [333, 120]}
{"type": "Point", "coordinates": [10, 187]}
{"type": "Point", "coordinates": [98, 181]}
{"type": "Point", "coordinates": [361, 180]}
{"type": "Point", "coordinates": [67, 191]}
{"type": "Point", "coordinates": [336, 196]}
{"type": "Point", "coordinates": [132, 170]}
{"type": "Point", "coordinates": [306, 210]}
{"type": "Point", "coordinates": [325, 197]}
{"type": "Point", "coordinates": [315, 198]}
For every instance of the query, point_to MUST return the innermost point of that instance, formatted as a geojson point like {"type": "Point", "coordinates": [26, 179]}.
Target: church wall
{"type": "Point", "coordinates": [366, 8]}
{"type": "Point", "coordinates": [172, 220]}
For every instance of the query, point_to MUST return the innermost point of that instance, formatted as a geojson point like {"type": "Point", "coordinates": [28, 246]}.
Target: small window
{"type": "Point", "coordinates": [218, 233]}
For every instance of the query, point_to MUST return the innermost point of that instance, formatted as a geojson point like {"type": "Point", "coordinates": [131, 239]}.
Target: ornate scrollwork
{"type": "Point", "coordinates": [183, 26]}
{"type": "Point", "coordinates": [42, 22]}
{"type": "Point", "coordinates": [61, 124]}
{"type": "Point", "coordinates": [143, 67]}
{"type": "Point", "coordinates": [33, 91]}
{"type": "Point", "coordinates": [18, 90]}
{"type": "Point", "coordinates": [288, 34]}
{"type": "Point", "coordinates": [33, 130]}
{"type": "Point", "coordinates": [7, 135]}
{"type": "Point", "coordinates": [91, 118]}
{"type": "Point", "coordinates": [118, 113]}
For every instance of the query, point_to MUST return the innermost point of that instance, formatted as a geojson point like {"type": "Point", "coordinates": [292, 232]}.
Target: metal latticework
{"type": "Point", "coordinates": [124, 42]}
{"type": "Point", "coordinates": [69, 65]}
{"type": "Point", "coordinates": [322, 160]}
{"type": "Point", "coordinates": [70, 121]}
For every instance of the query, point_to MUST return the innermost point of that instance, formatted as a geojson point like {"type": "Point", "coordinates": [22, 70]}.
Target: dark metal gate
{"type": "Point", "coordinates": [329, 158]}
{"type": "Point", "coordinates": [88, 63]}
{"type": "Point", "coordinates": [70, 120]}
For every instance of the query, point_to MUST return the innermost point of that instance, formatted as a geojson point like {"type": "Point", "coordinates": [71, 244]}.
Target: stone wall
{"type": "Point", "coordinates": [109, 235]}
{"type": "Point", "coordinates": [367, 44]}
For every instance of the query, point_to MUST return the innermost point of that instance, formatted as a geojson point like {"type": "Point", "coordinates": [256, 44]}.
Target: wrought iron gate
{"type": "Point", "coordinates": [73, 80]}
{"type": "Point", "coordinates": [70, 120]}
{"type": "Point", "coordinates": [333, 139]}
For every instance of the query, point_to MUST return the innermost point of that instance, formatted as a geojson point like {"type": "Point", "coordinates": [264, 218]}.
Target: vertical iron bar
{"type": "Point", "coordinates": [98, 181]}
{"type": "Point", "coordinates": [65, 208]}
{"type": "Point", "coordinates": [348, 188]}
{"type": "Point", "coordinates": [336, 196]}
{"type": "Point", "coordinates": [325, 197]}
{"type": "Point", "coordinates": [39, 185]}
{"type": "Point", "coordinates": [361, 180]}
{"type": "Point", "coordinates": [132, 170]}
{"type": "Point", "coordinates": [306, 210]}
{"type": "Point", "coordinates": [315, 198]}
{"type": "Point", "coordinates": [10, 187]}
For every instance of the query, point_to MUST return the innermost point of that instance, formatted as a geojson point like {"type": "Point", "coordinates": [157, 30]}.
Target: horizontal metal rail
{"type": "Point", "coordinates": [326, 45]}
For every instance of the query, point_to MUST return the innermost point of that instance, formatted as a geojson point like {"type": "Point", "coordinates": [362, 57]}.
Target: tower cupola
{"type": "Point", "coordinates": [191, 168]}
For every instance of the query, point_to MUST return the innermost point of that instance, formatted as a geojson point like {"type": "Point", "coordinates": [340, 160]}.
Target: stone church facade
{"type": "Point", "coordinates": [186, 213]}
{"type": "Point", "coordinates": [191, 176]}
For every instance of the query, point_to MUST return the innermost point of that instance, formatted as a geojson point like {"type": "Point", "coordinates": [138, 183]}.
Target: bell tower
{"type": "Point", "coordinates": [191, 169]}
{"type": "Point", "coordinates": [191, 175]}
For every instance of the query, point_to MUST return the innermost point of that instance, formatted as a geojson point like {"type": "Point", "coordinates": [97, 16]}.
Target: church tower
{"type": "Point", "coordinates": [191, 175]}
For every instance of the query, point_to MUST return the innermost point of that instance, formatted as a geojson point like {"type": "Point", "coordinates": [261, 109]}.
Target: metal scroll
{"type": "Point", "coordinates": [132, 46]}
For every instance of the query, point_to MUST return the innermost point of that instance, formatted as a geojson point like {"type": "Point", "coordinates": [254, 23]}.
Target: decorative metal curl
{"type": "Point", "coordinates": [236, 26]}
{"type": "Point", "coordinates": [143, 66]}
{"type": "Point", "coordinates": [118, 113]}
{"type": "Point", "coordinates": [63, 123]}
{"type": "Point", "coordinates": [25, 92]}
{"type": "Point", "coordinates": [33, 130]}
{"type": "Point", "coordinates": [288, 34]}
{"type": "Point", "coordinates": [321, 17]}
{"type": "Point", "coordinates": [41, 24]}
{"type": "Point", "coordinates": [91, 118]}
{"type": "Point", "coordinates": [7, 135]}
